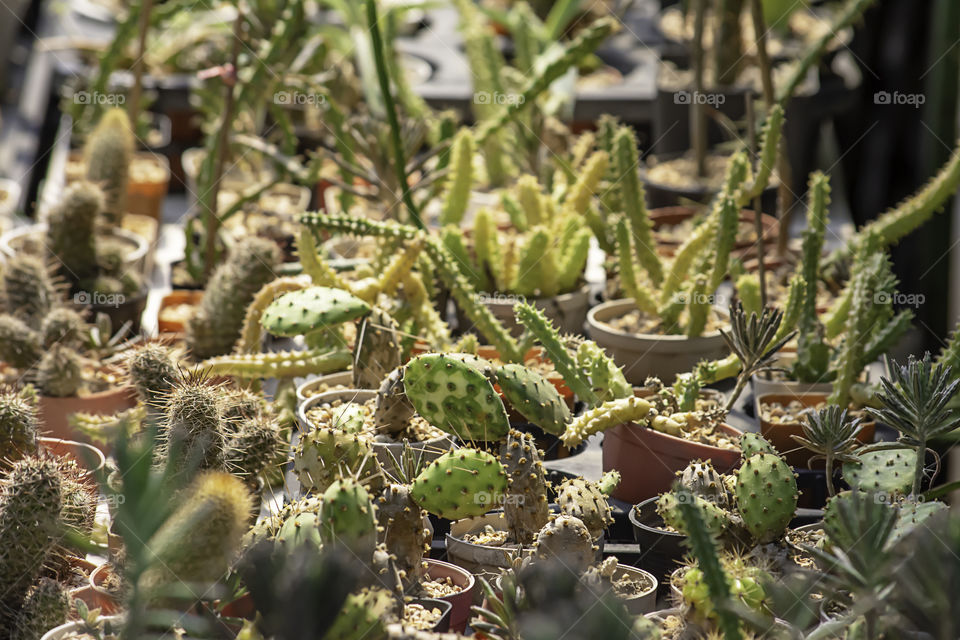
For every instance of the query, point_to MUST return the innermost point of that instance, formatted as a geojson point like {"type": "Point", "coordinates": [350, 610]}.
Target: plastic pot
{"type": "Point", "coordinates": [120, 309]}
{"type": "Point", "coordinates": [650, 354]}
{"type": "Point", "coordinates": [460, 602]}
{"type": "Point", "coordinates": [648, 459]}
{"type": "Point", "coordinates": [55, 412]}
{"type": "Point", "coordinates": [444, 623]}
{"type": "Point", "coordinates": [567, 311]}
{"type": "Point", "coordinates": [71, 628]}
{"type": "Point", "coordinates": [480, 560]}
{"type": "Point", "coordinates": [660, 550]}
{"type": "Point", "coordinates": [641, 603]}
{"type": "Point", "coordinates": [30, 238]}
{"type": "Point", "coordinates": [173, 299]}
{"type": "Point", "coordinates": [306, 390]}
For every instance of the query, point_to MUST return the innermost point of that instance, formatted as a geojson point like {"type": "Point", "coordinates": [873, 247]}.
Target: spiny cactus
{"type": "Point", "coordinates": [20, 345]}
{"type": "Point", "coordinates": [71, 234]}
{"type": "Point", "coordinates": [323, 455]}
{"type": "Point", "coordinates": [65, 327]}
{"type": "Point", "coordinates": [586, 501]}
{"type": "Point", "coordinates": [18, 427]}
{"type": "Point", "coordinates": [29, 291]}
{"type": "Point", "coordinates": [633, 200]}
{"type": "Point", "coordinates": [59, 373]}
{"type": "Point", "coordinates": [526, 509]}
{"type": "Point", "coordinates": [377, 350]}
{"type": "Point", "coordinates": [460, 484]}
{"type": "Point", "coordinates": [767, 495]}
{"type": "Point", "coordinates": [348, 518]}
{"type": "Point", "coordinates": [400, 521]}
{"type": "Point", "coordinates": [252, 334]}
{"type": "Point", "coordinates": [362, 616]}
{"type": "Point", "coordinates": [216, 325]}
{"type": "Point", "coordinates": [193, 425]}
{"type": "Point", "coordinates": [534, 397]}
{"type": "Point", "coordinates": [567, 539]}
{"type": "Point", "coordinates": [610, 414]}
{"type": "Point", "coordinates": [393, 408]}
{"type": "Point", "coordinates": [46, 606]}
{"type": "Point", "coordinates": [279, 364]}
{"type": "Point", "coordinates": [108, 155]}
{"type": "Point", "coordinates": [213, 514]}
{"type": "Point", "coordinates": [252, 447]}
{"type": "Point", "coordinates": [152, 372]}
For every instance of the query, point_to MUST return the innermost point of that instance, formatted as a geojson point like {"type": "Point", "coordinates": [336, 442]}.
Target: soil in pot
{"type": "Point", "coordinates": [452, 584]}
{"type": "Point", "coordinates": [176, 309]}
{"type": "Point", "coordinates": [427, 614]}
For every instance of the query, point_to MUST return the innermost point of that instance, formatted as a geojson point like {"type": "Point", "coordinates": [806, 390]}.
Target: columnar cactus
{"type": "Point", "coordinates": [46, 606]}
{"type": "Point", "coordinates": [460, 484]}
{"type": "Point", "coordinates": [393, 408]}
{"type": "Point", "coordinates": [458, 186]}
{"type": "Point", "coordinates": [18, 427]}
{"type": "Point", "coordinates": [29, 291]}
{"type": "Point", "coordinates": [525, 508]}
{"type": "Point", "coordinates": [152, 372]}
{"type": "Point", "coordinates": [59, 373]}
{"type": "Point", "coordinates": [193, 425]}
{"type": "Point", "coordinates": [108, 154]}
{"type": "Point", "coordinates": [71, 234]}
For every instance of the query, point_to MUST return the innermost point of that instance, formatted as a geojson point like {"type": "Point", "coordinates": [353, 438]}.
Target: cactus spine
{"type": "Point", "coordinates": [29, 292]}
{"type": "Point", "coordinates": [18, 427]}
{"type": "Point", "coordinates": [526, 510]}
{"type": "Point", "coordinates": [46, 606]}
{"type": "Point", "coordinates": [633, 200]}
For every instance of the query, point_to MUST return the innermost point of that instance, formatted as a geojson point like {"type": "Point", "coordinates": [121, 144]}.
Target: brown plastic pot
{"type": "Point", "coordinates": [91, 596]}
{"type": "Point", "coordinates": [779, 434]}
{"type": "Point", "coordinates": [177, 298]}
{"type": "Point", "coordinates": [648, 460]}
{"type": "Point", "coordinates": [650, 354]}
{"type": "Point", "coordinates": [461, 601]}
{"type": "Point", "coordinates": [55, 412]}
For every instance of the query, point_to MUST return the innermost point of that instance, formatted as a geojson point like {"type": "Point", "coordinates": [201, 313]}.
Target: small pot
{"type": "Point", "coordinates": [660, 550]}
{"type": "Point", "coordinates": [780, 434]}
{"type": "Point", "coordinates": [55, 412]}
{"type": "Point", "coordinates": [648, 459]}
{"type": "Point", "coordinates": [90, 596]}
{"type": "Point", "coordinates": [128, 309]}
{"type": "Point", "coordinates": [644, 602]}
{"type": "Point", "coordinates": [445, 622]}
{"type": "Point", "coordinates": [86, 455]}
{"type": "Point", "coordinates": [480, 560]}
{"type": "Point", "coordinates": [70, 628]}
{"type": "Point", "coordinates": [567, 311]}
{"type": "Point", "coordinates": [32, 235]}
{"type": "Point", "coordinates": [106, 601]}
{"type": "Point", "coordinates": [459, 602]}
{"type": "Point", "coordinates": [177, 298]}
{"type": "Point", "coordinates": [660, 195]}
{"type": "Point", "coordinates": [305, 390]}
{"type": "Point", "coordinates": [650, 354]}
{"type": "Point", "coordinates": [147, 198]}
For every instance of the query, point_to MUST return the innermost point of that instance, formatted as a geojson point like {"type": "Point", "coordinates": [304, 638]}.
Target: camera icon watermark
{"type": "Point", "coordinates": [896, 98]}
{"type": "Point", "coordinates": [95, 298]}
{"type": "Point", "coordinates": [98, 98]}
{"type": "Point", "coordinates": [688, 297]}
{"type": "Point", "coordinates": [914, 300]}
{"type": "Point", "coordinates": [699, 97]}
{"type": "Point", "coordinates": [299, 98]}
{"type": "Point", "coordinates": [499, 98]}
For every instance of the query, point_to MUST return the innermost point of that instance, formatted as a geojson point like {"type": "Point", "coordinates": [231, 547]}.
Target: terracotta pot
{"type": "Point", "coordinates": [176, 299]}
{"type": "Point", "coordinates": [460, 602]}
{"type": "Point", "coordinates": [648, 460]}
{"type": "Point", "coordinates": [650, 354]}
{"type": "Point", "coordinates": [55, 412]}
{"type": "Point", "coordinates": [86, 455]}
{"type": "Point", "coordinates": [780, 434]}
{"type": "Point", "coordinates": [671, 216]}
{"type": "Point", "coordinates": [146, 198]}
{"type": "Point", "coordinates": [106, 601]}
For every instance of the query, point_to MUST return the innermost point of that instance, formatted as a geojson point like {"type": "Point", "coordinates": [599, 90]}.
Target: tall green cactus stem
{"type": "Point", "coordinates": [534, 397]}
{"type": "Point", "coordinates": [526, 509]}
{"type": "Point", "coordinates": [703, 547]}
{"type": "Point", "coordinates": [213, 514]}
{"type": "Point", "coordinates": [279, 364]}
{"type": "Point", "coordinates": [588, 183]}
{"type": "Point", "coordinates": [460, 484]}
{"type": "Point", "coordinates": [193, 425]}
{"type": "Point", "coordinates": [20, 345]}
{"type": "Point", "coordinates": [320, 272]}
{"type": "Point", "coordinates": [536, 275]}
{"type": "Point", "coordinates": [607, 415]}
{"type": "Point", "coordinates": [152, 372]}
{"type": "Point", "coordinates": [30, 503]}
{"type": "Point", "coordinates": [455, 244]}
{"type": "Point", "coordinates": [536, 323]}
{"type": "Point", "coordinates": [771, 134]}
{"type": "Point", "coordinates": [455, 397]}
{"type": "Point", "coordinates": [215, 327]}
{"type": "Point", "coordinates": [251, 336]}
{"type": "Point", "coordinates": [460, 181]}
{"type": "Point", "coordinates": [585, 43]}
{"type": "Point", "coordinates": [71, 233]}
{"type": "Point", "coordinates": [59, 373]}
{"type": "Point", "coordinates": [46, 605]}
{"type": "Point", "coordinates": [633, 200]}
{"type": "Point", "coordinates": [401, 264]}
{"type": "Point", "coordinates": [574, 255]}
{"type": "Point", "coordinates": [18, 427]}
{"type": "Point", "coordinates": [108, 155]}
{"type": "Point", "coordinates": [530, 199]}
{"type": "Point", "coordinates": [748, 291]}
{"type": "Point", "coordinates": [485, 244]}
{"type": "Point", "coordinates": [28, 288]}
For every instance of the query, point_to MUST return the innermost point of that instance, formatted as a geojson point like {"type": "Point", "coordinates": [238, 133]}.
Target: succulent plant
{"type": "Point", "coordinates": [400, 522]}
{"type": "Point", "coordinates": [20, 345]}
{"type": "Point", "coordinates": [829, 434]}
{"type": "Point", "coordinates": [152, 372]}
{"type": "Point", "coordinates": [71, 234]}
{"type": "Point", "coordinates": [348, 517]}
{"type": "Point", "coordinates": [19, 425]}
{"type": "Point", "coordinates": [29, 289]}
{"type": "Point", "coordinates": [587, 501]}
{"type": "Point", "coordinates": [568, 540]}
{"type": "Point", "coordinates": [525, 509]}
{"type": "Point", "coordinates": [46, 605]}
{"type": "Point", "coordinates": [766, 493]}
{"type": "Point", "coordinates": [460, 484]}
{"type": "Point", "coordinates": [108, 154]}
{"type": "Point", "coordinates": [59, 373]}
{"type": "Point", "coordinates": [324, 455]}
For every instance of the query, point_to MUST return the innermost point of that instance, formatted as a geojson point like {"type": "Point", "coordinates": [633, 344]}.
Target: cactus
{"type": "Point", "coordinates": [71, 234]}
{"type": "Point", "coordinates": [701, 479]}
{"type": "Point", "coordinates": [279, 364]}
{"type": "Point", "coordinates": [748, 291]}
{"type": "Point", "coordinates": [59, 373]}
{"type": "Point", "coordinates": [46, 606]}
{"type": "Point", "coordinates": [461, 179]}
{"type": "Point", "coordinates": [401, 528]}
{"type": "Point", "coordinates": [215, 327]}
{"type": "Point", "coordinates": [393, 408]}
{"type": "Point", "coordinates": [254, 445]}
{"type": "Point", "coordinates": [193, 425]}
{"type": "Point", "coordinates": [766, 493]}
{"type": "Point", "coordinates": [65, 327]}
{"type": "Point", "coordinates": [30, 503]}
{"type": "Point", "coordinates": [753, 443]}
{"type": "Point", "coordinates": [152, 372]}
{"type": "Point", "coordinates": [460, 484]}
{"type": "Point", "coordinates": [108, 155]}
{"type": "Point", "coordinates": [606, 378]}
{"type": "Point", "coordinates": [584, 500]}
{"type": "Point", "coordinates": [526, 509]}
{"type": "Point", "coordinates": [534, 397]}
{"type": "Point", "coordinates": [348, 518]}
{"type": "Point", "coordinates": [213, 514]}
{"type": "Point", "coordinates": [29, 292]}
{"type": "Point", "coordinates": [888, 471]}
{"type": "Point", "coordinates": [567, 539]}
{"type": "Point", "coordinates": [323, 455]}
{"type": "Point", "coordinates": [633, 200]}
{"type": "Point", "coordinates": [251, 335]}
{"type": "Point", "coordinates": [20, 346]}
{"type": "Point", "coordinates": [455, 397]}
{"type": "Point", "coordinates": [300, 529]}
{"type": "Point", "coordinates": [377, 350]}
{"type": "Point", "coordinates": [18, 427]}
{"type": "Point", "coordinates": [720, 523]}
{"type": "Point", "coordinates": [362, 616]}
{"type": "Point", "coordinates": [607, 415]}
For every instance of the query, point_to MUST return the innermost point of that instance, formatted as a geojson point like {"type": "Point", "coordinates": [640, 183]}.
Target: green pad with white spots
{"type": "Point", "coordinates": [460, 484]}
{"type": "Point", "coordinates": [534, 397]}
{"type": "Point", "coordinates": [887, 471]}
{"type": "Point", "coordinates": [300, 312]}
{"type": "Point", "coordinates": [454, 396]}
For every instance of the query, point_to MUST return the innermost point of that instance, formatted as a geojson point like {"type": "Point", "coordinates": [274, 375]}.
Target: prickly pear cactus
{"type": "Point", "coordinates": [701, 479]}
{"type": "Point", "coordinates": [716, 519]}
{"type": "Point", "coordinates": [454, 396]}
{"type": "Point", "coordinates": [377, 351]}
{"type": "Point", "coordinates": [18, 427]}
{"type": "Point", "coordinates": [299, 529]}
{"type": "Point", "coordinates": [766, 496]}
{"type": "Point", "coordinates": [460, 484]}
{"type": "Point", "coordinates": [348, 517]}
{"type": "Point", "coordinates": [401, 529]}
{"type": "Point", "coordinates": [566, 538]}
{"type": "Point", "coordinates": [362, 616]}
{"type": "Point", "coordinates": [534, 397]}
{"type": "Point", "coordinates": [889, 471]}
{"type": "Point", "coordinates": [584, 500]}
{"type": "Point", "coordinates": [525, 509]}
{"type": "Point", "coordinates": [753, 443]}
{"type": "Point", "coordinates": [393, 408]}
{"type": "Point", "coordinates": [323, 455]}
{"type": "Point", "coordinates": [300, 312]}
{"type": "Point", "coordinates": [28, 288]}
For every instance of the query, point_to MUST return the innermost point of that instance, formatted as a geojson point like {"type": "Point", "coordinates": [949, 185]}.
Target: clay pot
{"type": "Point", "coordinates": [105, 600]}
{"type": "Point", "coordinates": [460, 602]}
{"type": "Point", "coordinates": [174, 299]}
{"type": "Point", "coordinates": [86, 455]}
{"type": "Point", "coordinates": [55, 412]}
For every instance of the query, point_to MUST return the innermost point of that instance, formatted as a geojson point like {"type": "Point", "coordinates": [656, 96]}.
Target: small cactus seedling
{"type": "Point", "coordinates": [65, 327]}
{"type": "Point", "coordinates": [534, 397]}
{"type": "Point", "coordinates": [567, 539]}
{"type": "Point", "coordinates": [766, 496]}
{"type": "Point", "coordinates": [312, 309]}
{"type": "Point", "coordinates": [460, 484]}
{"type": "Point", "coordinates": [348, 518]}
{"type": "Point", "coordinates": [20, 345]}
{"type": "Point", "coordinates": [454, 396]}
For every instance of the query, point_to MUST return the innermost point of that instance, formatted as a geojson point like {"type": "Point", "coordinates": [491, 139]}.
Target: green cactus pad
{"type": "Point", "coordinates": [567, 539]}
{"type": "Point", "coordinates": [701, 479]}
{"type": "Point", "coordinates": [888, 471]}
{"type": "Point", "coordinates": [753, 443]}
{"type": "Point", "coordinates": [455, 397]}
{"type": "Point", "coordinates": [299, 529]}
{"type": "Point", "coordinates": [361, 617]}
{"type": "Point", "coordinates": [766, 493]}
{"type": "Point", "coordinates": [583, 499]}
{"type": "Point", "coordinates": [460, 484]}
{"type": "Point", "coordinates": [348, 517]}
{"type": "Point", "coordinates": [716, 519]}
{"type": "Point", "coordinates": [300, 312]}
{"type": "Point", "coordinates": [912, 515]}
{"type": "Point", "coordinates": [534, 397]}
